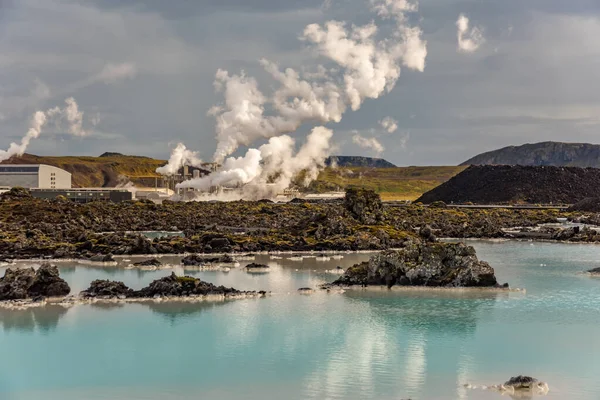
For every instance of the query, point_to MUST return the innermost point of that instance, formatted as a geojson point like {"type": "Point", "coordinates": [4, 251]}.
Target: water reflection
{"type": "Point", "coordinates": [43, 319]}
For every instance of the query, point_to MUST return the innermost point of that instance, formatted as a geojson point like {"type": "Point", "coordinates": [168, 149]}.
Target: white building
{"type": "Point", "coordinates": [34, 176]}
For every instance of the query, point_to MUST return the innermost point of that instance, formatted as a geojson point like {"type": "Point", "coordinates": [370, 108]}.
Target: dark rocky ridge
{"type": "Point", "coordinates": [358, 161]}
{"type": "Point", "coordinates": [539, 154]}
{"type": "Point", "coordinates": [422, 264]}
{"type": "Point", "coordinates": [517, 184]}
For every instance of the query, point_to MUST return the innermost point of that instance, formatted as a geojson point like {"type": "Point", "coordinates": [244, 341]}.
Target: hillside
{"type": "Point", "coordinates": [106, 171]}
{"type": "Point", "coordinates": [399, 183]}
{"type": "Point", "coordinates": [358, 161]}
{"type": "Point", "coordinates": [112, 169]}
{"type": "Point", "coordinates": [544, 153]}
{"type": "Point", "coordinates": [505, 184]}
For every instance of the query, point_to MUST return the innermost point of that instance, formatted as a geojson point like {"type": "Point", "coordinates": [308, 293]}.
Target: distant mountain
{"type": "Point", "coordinates": [545, 153]}
{"type": "Point", "coordinates": [358, 161]}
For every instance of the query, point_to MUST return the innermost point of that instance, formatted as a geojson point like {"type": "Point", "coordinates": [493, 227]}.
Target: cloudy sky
{"type": "Point", "coordinates": [143, 70]}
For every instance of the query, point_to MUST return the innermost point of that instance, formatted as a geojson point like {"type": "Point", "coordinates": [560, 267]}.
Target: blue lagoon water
{"type": "Point", "coordinates": [356, 345]}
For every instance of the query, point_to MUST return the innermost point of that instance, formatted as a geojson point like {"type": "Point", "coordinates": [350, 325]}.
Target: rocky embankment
{"type": "Point", "coordinates": [34, 228]}
{"type": "Point", "coordinates": [28, 286]}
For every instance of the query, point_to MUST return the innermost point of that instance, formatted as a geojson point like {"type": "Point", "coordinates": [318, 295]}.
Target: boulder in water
{"type": "Point", "coordinates": [179, 286]}
{"type": "Point", "coordinates": [102, 258]}
{"type": "Point", "coordinates": [423, 264]}
{"type": "Point", "coordinates": [153, 262]}
{"type": "Point", "coordinates": [20, 284]}
{"type": "Point", "coordinates": [106, 289]}
{"type": "Point", "coordinates": [257, 268]}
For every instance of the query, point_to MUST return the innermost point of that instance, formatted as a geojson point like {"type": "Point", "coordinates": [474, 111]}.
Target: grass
{"type": "Point", "coordinates": [401, 183]}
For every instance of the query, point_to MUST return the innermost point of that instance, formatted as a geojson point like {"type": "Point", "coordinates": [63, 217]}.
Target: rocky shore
{"type": "Point", "coordinates": [28, 287]}
{"type": "Point", "coordinates": [35, 228]}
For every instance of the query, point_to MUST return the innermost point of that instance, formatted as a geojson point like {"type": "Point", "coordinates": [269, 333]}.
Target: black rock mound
{"type": "Point", "coordinates": [107, 289]}
{"type": "Point", "coordinates": [589, 204]}
{"type": "Point", "coordinates": [21, 284]}
{"type": "Point", "coordinates": [423, 264]}
{"type": "Point", "coordinates": [153, 262]}
{"type": "Point", "coordinates": [179, 286]}
{"type": "Point", "coordinates": [505, 184]}
{"type": "Point", "coordinates": [364, 205]}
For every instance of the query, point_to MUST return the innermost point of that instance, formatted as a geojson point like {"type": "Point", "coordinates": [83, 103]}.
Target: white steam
{"type": "Point", "coordinates": [358, 64]}
{"type": "Point", "coordinates": [365, 67]}
{"type": "Point", "coordinates": [468, 40]}
{"type": "Point", "coordinates": [271, 168]}
{"type": "Point", "coordinates": [368, 143]}
{"type": "Point", "coordinates": [69, 114]}
{"type": "Point", "coordinates": [389, 124]}
{"type": "Point", "coordinates": [180, 156]}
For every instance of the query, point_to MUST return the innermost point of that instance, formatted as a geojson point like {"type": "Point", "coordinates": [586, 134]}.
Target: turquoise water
{"type": "Point", "coordinates": [357, 345]}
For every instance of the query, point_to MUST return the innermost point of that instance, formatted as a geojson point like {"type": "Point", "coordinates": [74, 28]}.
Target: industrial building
{"type": "Point", "coordinates": [85, 195]}
{"type": "Point", "coordinates": [34, 176]}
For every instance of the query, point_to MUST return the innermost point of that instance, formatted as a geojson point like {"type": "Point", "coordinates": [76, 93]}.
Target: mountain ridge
{"type": "Point", "coordinates": [559, 154]}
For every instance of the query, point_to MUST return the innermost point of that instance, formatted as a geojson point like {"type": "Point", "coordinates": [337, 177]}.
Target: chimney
{"type": "Point", "coordinates": [196, 173]}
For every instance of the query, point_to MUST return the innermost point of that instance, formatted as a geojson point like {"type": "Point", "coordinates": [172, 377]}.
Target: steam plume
{"type": "Point", "coordinates": [468, 40]}
{"type": "Point", "coordinates": [271, 168]}
{"type": "Point", "coordinates": [368, 66]}
{"type": "Point", "coordinates": [70, 113]}
{"type": "Point", "coordinates": [180, 156]}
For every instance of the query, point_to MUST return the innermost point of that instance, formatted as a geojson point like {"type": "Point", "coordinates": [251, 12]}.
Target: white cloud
{"type": "Point", "coordinates": [368, 143]}
{"type": "Point", "coordinates": [112, 73]}
{"type": "Point", "coordinates": [389, 124]}
{"type": "Point", "coordinates": [468, 40]}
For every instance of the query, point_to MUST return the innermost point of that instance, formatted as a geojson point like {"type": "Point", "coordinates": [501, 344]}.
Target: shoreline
{"type": "Point", "coordinates": [71, 301]}
{"type": "Point", "coordinates": [396, 288]}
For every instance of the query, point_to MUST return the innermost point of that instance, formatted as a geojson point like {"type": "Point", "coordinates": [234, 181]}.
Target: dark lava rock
{"type": "Point", "coordinates": [589, 204]}
{"type": "Point", "coordinates": [27, 283]}
{"type": "Point", "coordinates": [178, 286]}
{"type": "Point", "coordinates": [420, 264]}
{"type": "Point", "coordinates": [501, 184]}
{"type": "Point", "coordinates": [220, 244]}
{"type": "Point", "coordinates": [16, 193]}
{"type": "Point", "coordinates": [153, 262]}
{"type": "Point", "coordinates": [595, 271]}
{"type": "Point", "coordinates": [102, 258]}
{"type": "Point", "coordinates": [257, 267]}
{"type": "Point", "coordinates": [521, 382]}
{"type": "Point", "coordinates": [106, 289]}
{"type": "Point", "coordinates": [364, 205]}
{"type": "Point", "coordinates": [198, 260]}
{"type": "Point", "coordinates": [427, 234]}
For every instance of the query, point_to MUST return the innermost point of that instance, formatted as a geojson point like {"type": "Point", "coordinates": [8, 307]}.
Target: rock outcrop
{"type": "Point", "coordinates": [364, 205]}
{"type": "Point", "coordinates": [180, 286]}
{"type": "Point", "coordinates": [423, 264]}
{"type": "Point", "coordinates": [106, 289]}
{"type": "Point", "coordinates": [197, 260]}
{"type": "Point", "coordinates": [254, 267]}
{"type": "Point", "coordinates": [595, 271]}
{"type": "Point", "coordinates": [153, 262]}
{"type": "Point", "coordinates": [27, 283]}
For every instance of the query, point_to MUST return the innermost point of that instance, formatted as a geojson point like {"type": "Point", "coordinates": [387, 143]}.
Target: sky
{"type": "Point", "coordinates": [143, 71]}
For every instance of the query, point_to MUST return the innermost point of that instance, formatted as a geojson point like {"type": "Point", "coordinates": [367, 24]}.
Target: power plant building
{"type": "Point", "coordinates": [30, 176]}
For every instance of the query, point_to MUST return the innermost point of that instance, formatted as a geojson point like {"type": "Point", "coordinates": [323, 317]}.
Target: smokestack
{"type": "Point", "coordinates": [196, 174]}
